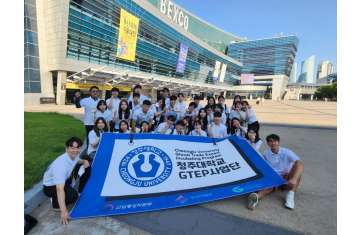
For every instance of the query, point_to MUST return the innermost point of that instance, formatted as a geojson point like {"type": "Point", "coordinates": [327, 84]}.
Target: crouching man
{"type": "Point", "coordinates": [58, 178]}
{"type": "Point", "coordinates": [287, 164]}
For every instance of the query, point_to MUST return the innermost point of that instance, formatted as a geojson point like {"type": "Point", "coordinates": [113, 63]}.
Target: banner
{"type": "Point", "coordinates": [216, 71]}
{"type": "Point", "coordinates": [128, 30]}
{"type": "Point", "coordinates": [180, 66]}
{"type": "Point", "coordinates": [147, 172]}
{"type": "Point", "coordinates": [222, 72]}
{"type": "Point", "coordinates": [247, 78]}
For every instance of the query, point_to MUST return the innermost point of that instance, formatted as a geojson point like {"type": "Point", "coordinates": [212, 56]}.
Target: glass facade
{"type": "Point", "coordinates": [213, 36]}
{"type": "Point", "coordinates": [31, 50]}
{"type": "Point", "coordinates": [93, 32]}
{"type": "Point", "coordinates": [274, 56]}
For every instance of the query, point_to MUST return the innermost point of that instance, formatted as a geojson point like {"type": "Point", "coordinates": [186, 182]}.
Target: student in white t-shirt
{"type": "Point", "coordinates": [137, 89]}
{"type": "Point", "coordinates": [124, 113]}
{"type": "Point", "coordinates": [287, 164]}
{"type": "Point", "coordinates": [135, 103]}
{"type": "Point", "coordinates": [217, 129]}
{"type": "Point", "coordinates": [57, 180]}
{"type": "Point", "coordinates": [124, 127]}
{"type": "Point", "coordinates": [89, 104]}
{"type": "Point", "coordinates": [179, 128]}
{"type": "Point", "coordinates": [197, 130]}
{"type": "Point", "coordinates": [237, 129]}
{"type": "Point", "coordinates": [113, 105]}
{"type": "Point", "coordinates": [251, 119]}
{"type": "Point", "coordinates": [221, 101]}
{"type": "Point", "coordinates": [198, 106]}
{"type": "Point", "coordinates": [95, 135]}
{"type": "Point", "coordinates": [103, 111]}
{"type": "Point", "coordinates": [180, 106]}
{"type": "Point", "coordinates": [238, 112]}
{"type": "Point", "coordinates": [253, 139]}
{"type": "Point", "coordinates": [166, 127]}
{"type": "Point", "coordinates": [143, 114]}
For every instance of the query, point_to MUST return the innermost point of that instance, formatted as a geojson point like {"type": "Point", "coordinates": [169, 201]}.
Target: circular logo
{"type": "Point", "coordinates": [145, 166]}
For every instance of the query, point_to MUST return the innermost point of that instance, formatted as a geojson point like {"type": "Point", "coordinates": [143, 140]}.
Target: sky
{"type": "Point", "coordinates": [313, 21]}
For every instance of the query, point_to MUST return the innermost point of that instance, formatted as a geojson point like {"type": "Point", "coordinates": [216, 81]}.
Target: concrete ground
{"type": "Point", "coordinates": [315, 211]}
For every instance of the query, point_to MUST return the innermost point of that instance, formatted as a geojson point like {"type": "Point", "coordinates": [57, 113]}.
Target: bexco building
{"type": "Point", "coordinates": [71, 45]}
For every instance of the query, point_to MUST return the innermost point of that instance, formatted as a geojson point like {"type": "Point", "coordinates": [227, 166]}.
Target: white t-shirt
{"type": "Point", "coordinates": [90, 105]}
{"type": "Point", "coordinates": [240, 115]}
{"type": "Point", "coordinates": [107, 115]}
{"type": "Point", "coordinates": [281, 162]}
{"type": "Point", "coordinates": [118, 119]}
{"type": "Point", "coordinates": [163, 129]}
{"type": "Point", "coordinates": [251, 116]}
{"type": "Point", "coordinates": [115, 102]}
{"type": "Point", "coordinates": [139, 116]}
{"type": "Point", "coordinates": [217, 131]}
{"type": "Point", "coordinates": [181, 108]}
{"type": "Point", "coordinates": [197, 109]}
{"type": "Point", "coordinates": [256, 145]}
{"type": "Point", "coordinates": [195, 133]}
{"type": "Point", "coordinates": [142, 98]}
{"type": "Point", "coordinates": [93, 138]}
{"type": "Point", "coordinates": [59, 170]}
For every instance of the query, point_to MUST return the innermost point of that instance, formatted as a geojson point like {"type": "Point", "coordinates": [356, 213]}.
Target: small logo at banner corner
{"type": "Point", "coordinates": [145, 166]}
{"type": "Point", "coordinates": [181, 199]}
{"type": "Point", "coordinates": [238, 189]}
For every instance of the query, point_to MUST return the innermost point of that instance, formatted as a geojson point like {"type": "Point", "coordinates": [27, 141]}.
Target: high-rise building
{"type": "Point", "coordinates": [293, 73]}
{"type": "Point", "coordinates": [307, 74]}
{"type": "Point", "coordinates": [324, 69]}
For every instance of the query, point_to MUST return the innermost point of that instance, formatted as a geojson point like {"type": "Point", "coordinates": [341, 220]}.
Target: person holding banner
{"type": "Point", "coordinates": [217, 129]}
{"type": "Point", "coordinates": [287, 164]}
{"type": "Point", "coordinates": [57, 180]}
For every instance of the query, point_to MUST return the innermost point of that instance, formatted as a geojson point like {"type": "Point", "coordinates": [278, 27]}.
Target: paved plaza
{"type": "Point", "coordinates": [315, 211]}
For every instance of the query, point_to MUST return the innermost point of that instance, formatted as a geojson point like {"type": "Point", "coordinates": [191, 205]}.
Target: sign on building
{"type": "Point", "coordinates": [174, 13]}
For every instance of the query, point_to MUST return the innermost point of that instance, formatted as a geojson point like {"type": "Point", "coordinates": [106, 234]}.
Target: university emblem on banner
{"type": "Point", "coordinates": [145, 166]}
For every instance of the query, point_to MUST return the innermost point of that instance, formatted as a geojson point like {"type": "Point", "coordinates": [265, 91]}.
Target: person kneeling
{"type": "Point", "coordinates": [287, 164]}
{"type": "Point", "coordinates": [57, 180]}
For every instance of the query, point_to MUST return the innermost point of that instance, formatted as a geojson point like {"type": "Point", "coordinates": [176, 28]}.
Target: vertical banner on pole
{"type": "Point", "coordinates": [128, 30]}
{"type": "Point", "coordinates": [180, 66]}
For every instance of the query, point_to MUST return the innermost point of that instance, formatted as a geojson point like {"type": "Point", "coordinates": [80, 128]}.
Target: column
{"type": "Point", "coordinates": [61, 88]}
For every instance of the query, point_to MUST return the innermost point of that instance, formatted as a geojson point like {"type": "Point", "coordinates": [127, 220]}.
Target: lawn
{"type": "Point", "coordinates": [45, 136]}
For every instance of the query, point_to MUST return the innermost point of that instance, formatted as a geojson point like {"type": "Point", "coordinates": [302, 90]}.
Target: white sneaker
{"type": "Point", "coordinates": [253, 201]}
{"type": "Point", "coordinates": [290, 200]}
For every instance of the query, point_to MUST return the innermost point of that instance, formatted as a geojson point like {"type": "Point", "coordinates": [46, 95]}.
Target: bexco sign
{"type": "Point", "coordinates": [174, 13]}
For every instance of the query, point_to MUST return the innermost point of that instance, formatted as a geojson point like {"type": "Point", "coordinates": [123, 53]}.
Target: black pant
{"type": "Point", "coordinates": [71, 195]}
{"type": "Point", "coordinates": [88, 128]}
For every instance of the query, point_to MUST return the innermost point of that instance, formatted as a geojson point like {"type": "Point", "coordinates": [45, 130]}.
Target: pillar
{"type": "Point", "coordinates": [61, 88]}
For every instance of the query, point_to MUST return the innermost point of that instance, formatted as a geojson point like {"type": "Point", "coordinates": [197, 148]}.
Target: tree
{"type": "Point", "coordinates": [327, 91]}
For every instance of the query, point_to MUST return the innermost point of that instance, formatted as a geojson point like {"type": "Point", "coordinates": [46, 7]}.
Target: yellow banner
{"type": "Point", "coordinates": [128, 30]}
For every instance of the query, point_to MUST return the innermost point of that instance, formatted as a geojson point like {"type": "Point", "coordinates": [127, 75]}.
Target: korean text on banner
{"type": "Point", "coordinates": [128, 31]}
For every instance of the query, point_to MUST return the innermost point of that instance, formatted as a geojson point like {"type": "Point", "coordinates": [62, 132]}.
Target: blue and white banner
{"type": "Point", "coordinates": [180, 66]}
{"type": "Point", "coordinates": [146, 172]}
